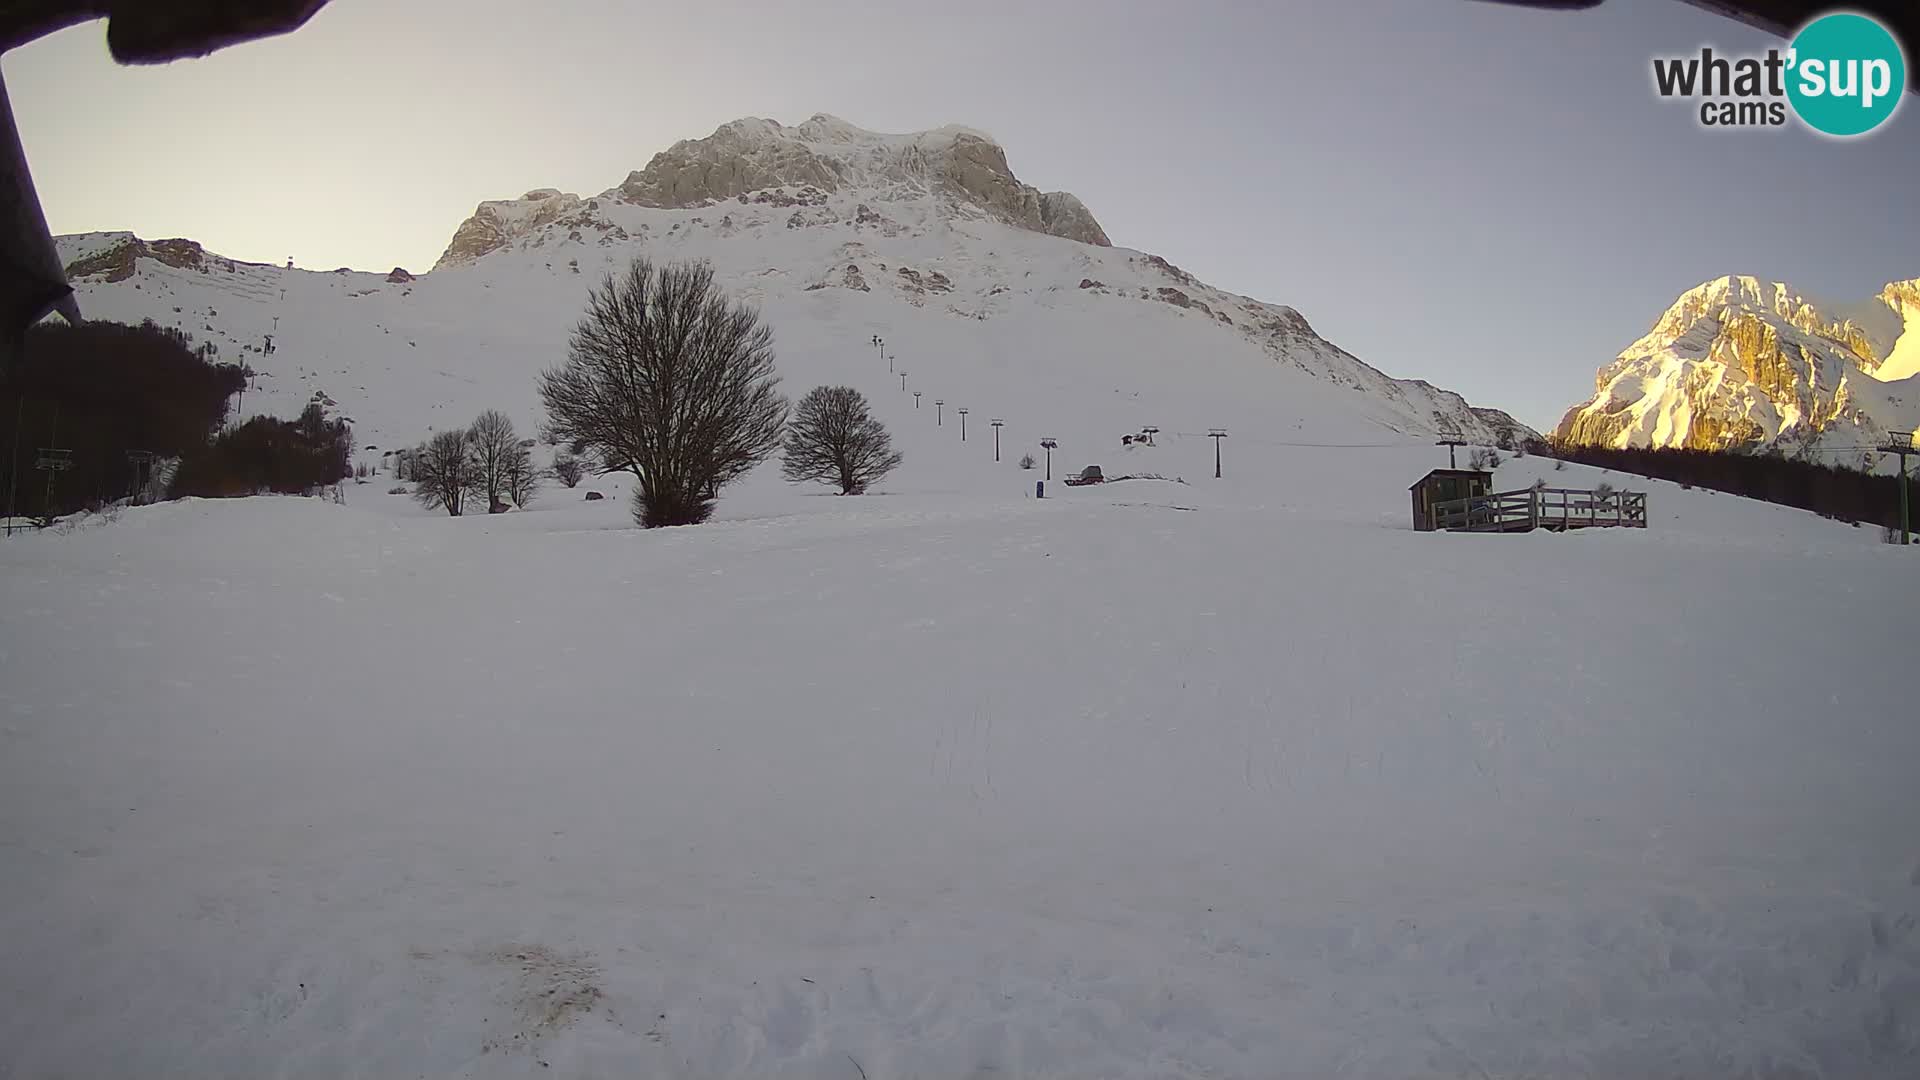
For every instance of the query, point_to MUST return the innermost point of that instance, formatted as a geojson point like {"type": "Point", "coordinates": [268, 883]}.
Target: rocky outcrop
{"type": "Point", "coordinates": [741, 157]}
{"type": "Point", "coordinates": [496, 224]}
{"type": "Point", "coordinates": [116, 262]}
{"type": "Point", "coordinates": [112, 264]}
{"type": "Point", "coordinates": [1902, 296]}
{"type": "Point", "coordinates": [1061, 214]}
{"type": "Point", "coordinates": [849, 277]}
{"type": "Point", "coordinates": [399, 276]}
{"type": "Point", "coordinates": [974, 169]}
{"type": "Point", "coordinates": [1741, 364]}
{"type": "Point", "coordinates": [755, 161]}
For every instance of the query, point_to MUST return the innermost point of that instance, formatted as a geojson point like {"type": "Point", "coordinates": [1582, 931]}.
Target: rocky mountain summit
{"type": "Point", "coordinates": [959, 166]}
{"type": "Point", "coordinates": [839, 235]}
{"type": "Point", "coordinates": [1738, 363]}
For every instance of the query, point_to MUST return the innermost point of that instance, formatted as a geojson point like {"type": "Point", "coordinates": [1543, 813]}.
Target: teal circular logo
{"type": "Point", "coordinates": [1846, 74]}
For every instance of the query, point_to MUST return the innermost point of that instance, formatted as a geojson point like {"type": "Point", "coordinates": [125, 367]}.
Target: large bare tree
{"type": "Point", "coordinates": [834, 439]}
{"type": "Point", "coordinates": [504, 467]}
{"type": "Point", "coordinates": [522, 479]}
{"type": "Point", "coordinates": [443, 471]}
{"type": "Point", "coordinates": [671, 380]}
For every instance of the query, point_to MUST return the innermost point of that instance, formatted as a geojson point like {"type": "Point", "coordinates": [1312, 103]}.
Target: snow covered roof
{"type": "Point", "coordinates": [1472, 473]}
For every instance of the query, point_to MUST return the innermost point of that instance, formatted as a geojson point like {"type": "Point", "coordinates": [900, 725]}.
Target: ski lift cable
{"type": "Point", "coordinates": [1330, 446]}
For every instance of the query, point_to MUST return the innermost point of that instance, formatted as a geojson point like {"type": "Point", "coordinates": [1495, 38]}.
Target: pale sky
{"type": "Point", "coordinates": [1488, 198]}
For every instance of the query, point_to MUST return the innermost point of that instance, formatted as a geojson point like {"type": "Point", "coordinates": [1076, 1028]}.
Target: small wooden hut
{"type": "Point", "coordinates": [1442, 485]}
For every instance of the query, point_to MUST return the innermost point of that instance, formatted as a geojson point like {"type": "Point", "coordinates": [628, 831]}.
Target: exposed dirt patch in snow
{"type": "Point", "coordinates": [549, 991]}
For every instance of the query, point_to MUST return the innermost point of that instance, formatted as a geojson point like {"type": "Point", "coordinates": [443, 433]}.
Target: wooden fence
{"type": "Point", "coordinates": [1558, 509]}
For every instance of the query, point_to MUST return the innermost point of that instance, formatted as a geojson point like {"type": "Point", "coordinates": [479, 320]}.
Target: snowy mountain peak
{"type": "Point", "coordinates": [955, 164]}
{"type": "Point", "coordinates": [960, 167]}
{"type": "Point", "coordinates": [838, 235]}
{"type": "Point", "coordinates": [1902, 296]}
{"type": "Point", "coordinates": [828, 130]}
{"type": "Point", "coordinates": [1732, 290]}
{"type": "Point", "coordinates": [1089, 341]}
{"type": "Point", "coordinates": [1740, 292]}
{"type": "Point", "coordinates": [1739, 362]}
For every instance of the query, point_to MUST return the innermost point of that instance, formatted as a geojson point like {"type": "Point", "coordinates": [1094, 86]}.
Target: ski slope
{"type": "Point", "coordinates": [1011, 332]}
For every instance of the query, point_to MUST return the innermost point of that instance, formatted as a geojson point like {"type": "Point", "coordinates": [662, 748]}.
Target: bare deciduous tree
{"type": "Point", "coordinates": [670, 380]}
{"type": "Point", "coordinates": [834, 439]}
{"type": "Point", "coordinates": [499, 460]}
{"type": "Point", "coordinates": [521, 478]}
{"type": "Point", "coordinates": [568, 469]}
{"type": "Point", "coordinates": [443, 471]}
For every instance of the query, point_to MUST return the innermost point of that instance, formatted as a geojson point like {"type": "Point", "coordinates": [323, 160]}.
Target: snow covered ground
{"type": "Point", "coordinates": [1214, 778]}
{"type": "Point", "coordinates": [1236, 778]}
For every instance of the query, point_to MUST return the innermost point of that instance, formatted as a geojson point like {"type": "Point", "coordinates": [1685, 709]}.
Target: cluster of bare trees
{"type": "Point", "coordinates": [671, 380]}
{"type": "Point", "coordinates": [485, 461]}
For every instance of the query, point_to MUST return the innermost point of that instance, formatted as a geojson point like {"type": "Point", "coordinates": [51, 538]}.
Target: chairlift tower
{"type": "Point", "coordinates": [996, 422]}
{"type": "Point", "coordinates": [1050, 444]}
{"type": "Point", "coordinates": [53, 461]}
{"type": "Point", "coordinates": [1216, 434]}
{"type": "Point", "coordinates": [142, 463]}
{"type": "Point", "coordinates": [1901, 443]}
{"type": "Point", "coordinates": [963, 425]}
{"type": "Point", "coordinates": [939, 404]}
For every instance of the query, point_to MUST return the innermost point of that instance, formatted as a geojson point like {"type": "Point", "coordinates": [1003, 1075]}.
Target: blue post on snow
{"type": "Point", "coordinates": [1039, 489]}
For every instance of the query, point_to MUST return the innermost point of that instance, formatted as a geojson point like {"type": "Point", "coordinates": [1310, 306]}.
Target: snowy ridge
{"type": "Point", "coordinates": [965, 297]}
{"type": "Point", "coordinates": [964, 169]}
{"type": "Point", "coordinates": [1739, 363]}
{"type": "Point", "coordinates": [1902, 301]}
{"type": "Point", "coordinates": [1087, 341]}
{"type": "Point", "coordinates": [856, 154]}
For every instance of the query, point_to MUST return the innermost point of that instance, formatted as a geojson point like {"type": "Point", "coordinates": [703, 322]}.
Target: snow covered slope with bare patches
{"type": "Point", "coordinates": [1737, 363]}
{"type": "Point", "coordinates": [897, 239]}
